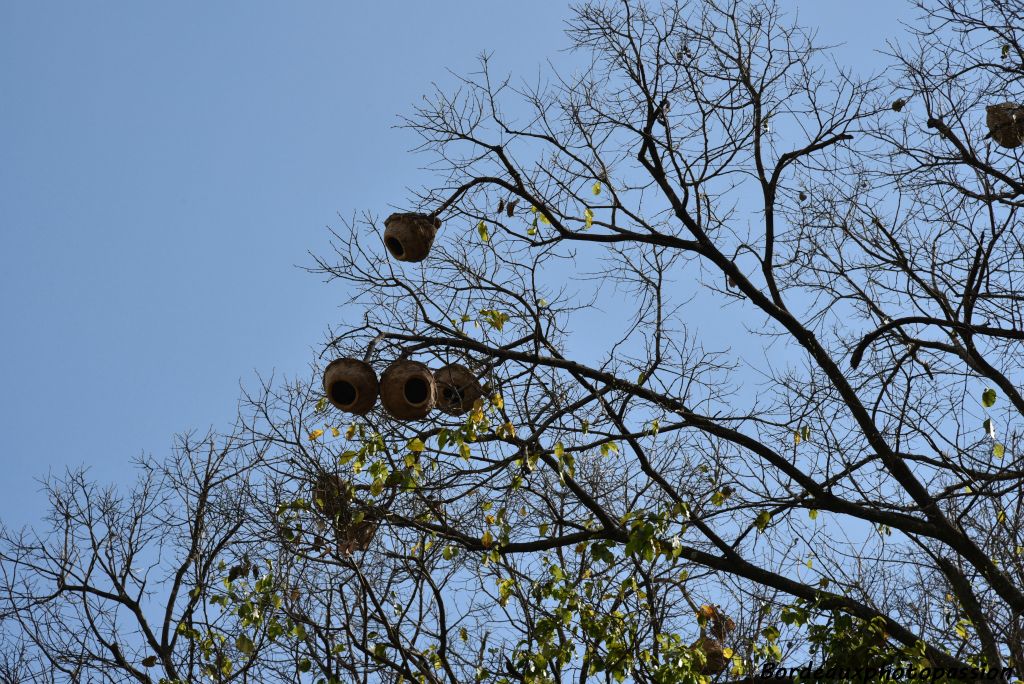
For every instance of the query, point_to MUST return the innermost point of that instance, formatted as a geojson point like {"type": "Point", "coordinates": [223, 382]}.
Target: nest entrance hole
{"type": "Point", "coordinates": [416, 391]}
{"type": "Point", "coordinates": [394, 246]}
{"type": "Point", "coordinates": [343, 392]}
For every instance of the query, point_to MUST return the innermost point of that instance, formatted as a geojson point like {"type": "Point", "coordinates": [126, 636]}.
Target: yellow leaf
{"type": "Point", "coordinates": [315, 435]}
{"type": "Point", "coordinates": [487, 540]}
{"type": "Point", "coordinates": [481, 228]}
{"type": "Point", "coordinates": [335, 432]}
{"type": "Point", "coordinates": [796, 437]}
{"type": "Point", "coordinates": [416, 445]}
{"type": "Point", "coordinates": [351, 432]}
{"type": "Point", "coordinates": [597, 188]}
{"type": "Point", "coordinates": [544, 219]}
{"type": "Point", "coordinates": [559, 450]}
{"type": "Point", "coordinates": [588, 216]}
{"type": "Point", "coordinates": [497, 401]}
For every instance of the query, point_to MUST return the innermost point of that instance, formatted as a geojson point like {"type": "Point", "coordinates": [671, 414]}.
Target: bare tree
{"type": "Point", "coordinates": [748, 327]}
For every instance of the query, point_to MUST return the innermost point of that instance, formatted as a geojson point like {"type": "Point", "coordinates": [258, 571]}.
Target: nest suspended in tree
{"type": "Point", "coordinates": [457, 389]}
{"type": "Point", "coordinates": [409, 236]}
{"type": "Point", "coordinates": [407, 390]}
{"type": "Point", "coordinates": [350, 385]}
{"type": "Point", "coordinates": [715, 661]}
{"type": "Point", "coordinates": [354, 526]}
{"type": "Point", "coordinates": [1005, 123]}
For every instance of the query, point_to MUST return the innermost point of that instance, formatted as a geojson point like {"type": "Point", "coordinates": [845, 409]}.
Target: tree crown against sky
{"type": "Point", "coordinates": [827, 467]}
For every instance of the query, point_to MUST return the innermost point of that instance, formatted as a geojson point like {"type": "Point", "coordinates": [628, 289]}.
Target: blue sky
{"type": "Point", "coordinates": [164, 167]}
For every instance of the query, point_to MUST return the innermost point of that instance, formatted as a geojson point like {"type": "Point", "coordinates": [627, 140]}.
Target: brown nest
{"type": "Point", "coordinates": [409, 236]}
{"type": "Point", "coordinates": [407, 390]}
{"type": "Point", "coordinates": [457, 389]}
{"type": "Point", "coordinates": [354, 526]}
{"type": "Point", "coordinates": [715, 661]}
{"type": "Point", "coordinates": [350, 385]}
{"type": "Point", "coordinates": [1005, 123]}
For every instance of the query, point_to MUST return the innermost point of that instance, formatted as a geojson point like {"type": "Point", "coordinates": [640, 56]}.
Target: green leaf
{"type": "Point", "coordinates": [988, 398]}
{"type": "Point", "coordinates": [304, 665]}
{"type": "Point", "coordinates": [496, 319]}
{"type": "Point", "coordinates": [244, 644]}
{"type": "Point", "coordinates": [416, 445]}
{"type": "Point", "coordinates": [481, 228]}
{"type": "Point", "coordinates": [762, 520]}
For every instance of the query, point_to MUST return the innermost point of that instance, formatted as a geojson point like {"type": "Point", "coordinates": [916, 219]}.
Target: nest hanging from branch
{"type": "Point", "coordinates": [409, 236]}
{"type": "Point", "coordinates": [715, 661]}
{"type": "Point", "coordinates": [457, 389]}
{"type": "Point", "coordinates": [407, 390]}
{"type": "Point", "coordinates": [354, 526]}
{"type": "Point", "coordinates": [720, 625]}
{"type": "Point", "coordinates": [351, 385]}
{"type": "Point", "coordinates": [1005, 123]}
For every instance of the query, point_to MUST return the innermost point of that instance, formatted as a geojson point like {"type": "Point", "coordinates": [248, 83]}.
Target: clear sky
{"type": "Point", "coordinates": [166, 166]}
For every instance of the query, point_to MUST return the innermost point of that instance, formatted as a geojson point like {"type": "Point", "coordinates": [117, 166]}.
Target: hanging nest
{"type": "Point", "coordinates": [457, 389]}
{"type": "Point", "coordinates": [714, 655]}
{"type": "Point", "coordinates": [350, 385]}
{"type": "Point", "coordinates": [1005, 123]}
{"type": "Point", "coordinates": [409, 236]}
{"type": "Point", "coordinates": [407, 390]}
{"type": "Point", "coordinates": [354, 526]}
